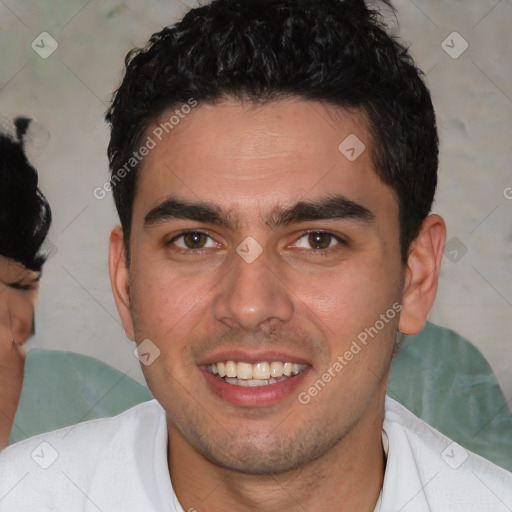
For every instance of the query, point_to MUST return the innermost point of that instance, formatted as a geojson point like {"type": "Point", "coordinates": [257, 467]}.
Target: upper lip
{"type": "Point", "coordinates": [251, 357]}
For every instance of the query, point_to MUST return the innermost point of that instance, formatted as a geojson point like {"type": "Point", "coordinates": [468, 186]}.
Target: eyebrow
{"type": "Point", "coordinates": [329, 208]}
{"type": "Point", "coordinates": [174, 208]}
{"type": "Point", "coordinates": [335, 207]}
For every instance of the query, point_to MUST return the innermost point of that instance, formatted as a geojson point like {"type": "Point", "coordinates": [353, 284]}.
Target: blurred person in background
{"type": "Point", "coordinates": [25, 218]}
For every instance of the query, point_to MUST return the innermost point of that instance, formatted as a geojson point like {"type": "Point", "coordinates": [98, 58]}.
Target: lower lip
{"type": "Point", "coordinates": [258, 396]}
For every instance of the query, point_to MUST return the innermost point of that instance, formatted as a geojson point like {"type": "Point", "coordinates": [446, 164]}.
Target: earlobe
{"type": "Point", "coordinates": [119, 279]}
{"type": "Point", "coordinates": [422, 274]}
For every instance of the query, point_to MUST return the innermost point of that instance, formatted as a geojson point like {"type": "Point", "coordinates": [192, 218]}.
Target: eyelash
{"type": "Point", "coordinates": [19, 286]}
{"type": "Point", "coordinates": [337, 238]}
{"type": "Point", "coordinates": [182, 235]}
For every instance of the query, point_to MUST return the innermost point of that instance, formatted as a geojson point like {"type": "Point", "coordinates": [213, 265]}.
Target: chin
{"type": "Point", "coordinates": [267, 454]}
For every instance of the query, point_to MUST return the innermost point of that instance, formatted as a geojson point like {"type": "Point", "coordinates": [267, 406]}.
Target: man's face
{"type": "Point", "coordinates": [289, 252]}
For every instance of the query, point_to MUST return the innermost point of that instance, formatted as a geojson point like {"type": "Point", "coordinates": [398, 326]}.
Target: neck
{"type": "Point", "coordinates": [349, 477]}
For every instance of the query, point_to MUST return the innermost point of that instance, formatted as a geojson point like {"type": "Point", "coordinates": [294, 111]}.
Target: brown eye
{"type": "Point", "coordinates": [195, 240]}
{"type": "Point", "coordinates": [320, 240]}
{"type": "Point", "coordinates": [189, 241]}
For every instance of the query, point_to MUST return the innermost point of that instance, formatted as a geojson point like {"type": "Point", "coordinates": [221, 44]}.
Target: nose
{"type": "Point", "coordinates": [252, 295]}
{"type": "Point", "coordinates": [21, 329]}
{"type": "Point", "coordinates": [15, 318]}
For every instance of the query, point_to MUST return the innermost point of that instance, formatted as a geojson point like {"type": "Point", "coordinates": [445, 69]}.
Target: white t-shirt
{"type": "Point", "coordinates": [120, 464]}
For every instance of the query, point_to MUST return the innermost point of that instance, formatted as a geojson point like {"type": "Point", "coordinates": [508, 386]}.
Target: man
{"type": "Point", "coordinates": [273, 165]}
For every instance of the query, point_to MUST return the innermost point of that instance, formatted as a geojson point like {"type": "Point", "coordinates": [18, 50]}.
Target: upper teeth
{"type": "Point", "coordinates": [258, 371]}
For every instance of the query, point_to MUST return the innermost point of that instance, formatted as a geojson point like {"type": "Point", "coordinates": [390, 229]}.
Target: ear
{"type": "Point", "coordinates": [422, 274]}
{"type": "Point", "coordinates": [119, 279]}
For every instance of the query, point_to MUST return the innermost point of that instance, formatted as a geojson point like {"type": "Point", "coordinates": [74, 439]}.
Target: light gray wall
{"type": "Point", "coordinates": [68, 93]}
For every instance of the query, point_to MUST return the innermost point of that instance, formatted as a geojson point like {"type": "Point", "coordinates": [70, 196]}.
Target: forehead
{"type": "Point", "coordinates": [260, 157]}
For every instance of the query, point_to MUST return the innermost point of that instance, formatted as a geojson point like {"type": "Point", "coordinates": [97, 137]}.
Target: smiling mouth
{"type": "Point", "coordinates": [253, 375]}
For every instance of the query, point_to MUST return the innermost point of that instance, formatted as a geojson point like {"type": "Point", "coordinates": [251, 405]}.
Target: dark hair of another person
{"type": "Point", "coordinates": [25, 214]}
{"type": "Point", "coordinates": [331, 51]}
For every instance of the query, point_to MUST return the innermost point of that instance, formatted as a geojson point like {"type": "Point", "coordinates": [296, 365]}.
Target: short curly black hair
{"type": "Point", "coordinates": [332, 51]}
{"type": "Point", "coordinates": [25, 215]}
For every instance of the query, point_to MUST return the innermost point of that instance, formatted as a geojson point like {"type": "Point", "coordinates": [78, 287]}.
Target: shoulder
{"type": "Point", "coordinates": [73, 457]}
{"type": "Point", "coordinates": [94, 433]}
{"type": "Point", "coordinates": [439, 472]}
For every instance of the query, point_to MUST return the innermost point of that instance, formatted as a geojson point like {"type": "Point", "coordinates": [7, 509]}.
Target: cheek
{"type": "Point", "coordinates": [163, 303]}
{"type": "Point", "coordinates": [348, 300]}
